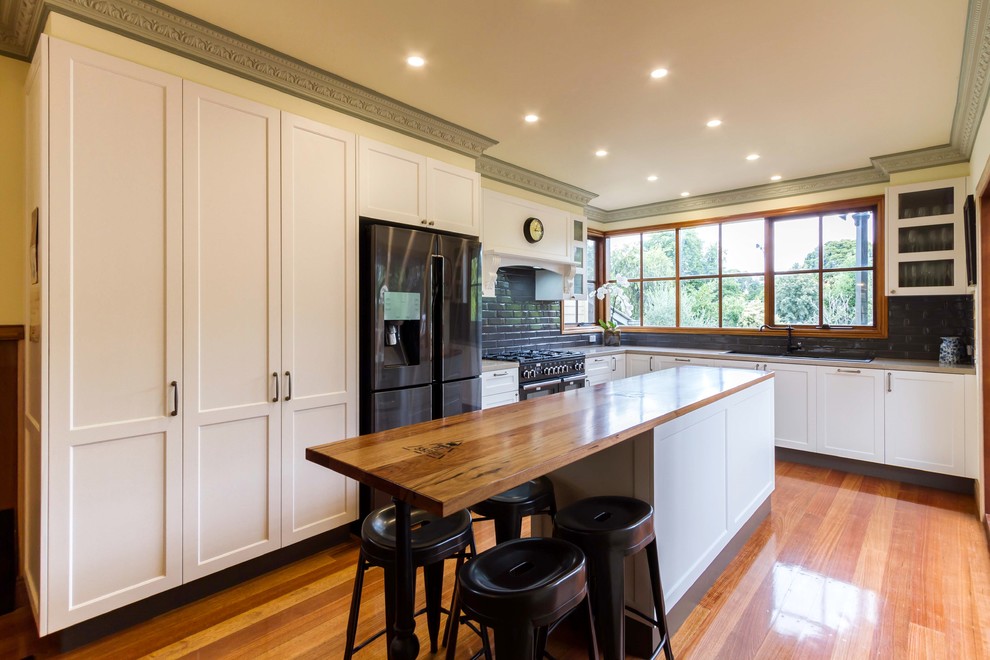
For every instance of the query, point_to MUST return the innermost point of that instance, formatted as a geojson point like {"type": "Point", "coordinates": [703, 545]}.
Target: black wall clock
{"type": "Point", "coordinates": [533, 230]}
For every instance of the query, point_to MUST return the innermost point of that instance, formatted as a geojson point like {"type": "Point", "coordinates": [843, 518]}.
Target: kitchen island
{"type": "Point", "coordinates": [702, 454]}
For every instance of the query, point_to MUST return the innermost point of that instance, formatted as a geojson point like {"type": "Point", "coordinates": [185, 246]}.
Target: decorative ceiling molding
{"type": "Point", "coordinates": [971, 99]}
{"type": "Point", "coordinates": [813, 184]}
{"type": "Point", "coordinates": [918, 159]}
{"type": "Point", "coordinates": [499, 170]}
{"type": "Point", "coordinates": [185, 35]}
{"type": "Point", "coordinates": [17, 21]}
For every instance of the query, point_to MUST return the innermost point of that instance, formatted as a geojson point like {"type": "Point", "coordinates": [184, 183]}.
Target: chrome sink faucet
{"type": "Point", "coordinates": [791, 344]}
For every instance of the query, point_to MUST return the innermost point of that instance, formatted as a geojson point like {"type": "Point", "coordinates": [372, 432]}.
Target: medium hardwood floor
{"type": "Point", "coordinates": [845, 567]}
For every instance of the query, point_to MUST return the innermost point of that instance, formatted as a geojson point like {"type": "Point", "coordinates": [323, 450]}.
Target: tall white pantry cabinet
{"type": "Point", "coordinates": [193, 328]}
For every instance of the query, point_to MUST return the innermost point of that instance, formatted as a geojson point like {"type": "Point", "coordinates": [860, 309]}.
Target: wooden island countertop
{"type": "Point", "coordinates": [449, 464]}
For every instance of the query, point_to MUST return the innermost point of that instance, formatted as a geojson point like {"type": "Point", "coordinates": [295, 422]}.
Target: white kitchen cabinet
{"type": "Point", "coordinates": [319, 332]}
{"type": "Point", "coordinates": [670, 362]}
{"type": "Point", "coordinates": [850, 413]}
{"type": "Point", "coordinates": [618, 367]}
{"type": "Point", "coordinates": [598, 369]}
{"type": "Point", "coordinates": [402, 186]}
{"type": "Point", "coordinates": [638, 364]}
{"type": "Point", "coordinates": [499, 387]}
{"type": "Point", "coordinates": [925, 421]}
{"type": "Point", "coordinates": [926, 244]}
{"type": "Point", "coordinates": [795, 389]}
{"type": "Point", "coordinates": [103, 459]}
{"type": "Point", "coordinates": [232, 338]}
{"type": "Point", "coordinates": [453, 198]}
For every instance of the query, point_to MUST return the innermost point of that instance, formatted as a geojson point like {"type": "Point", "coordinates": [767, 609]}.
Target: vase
{"type": "Point", "coordinates": [950, 350]}
{"type": "Point", "coordinates": [611, 338]}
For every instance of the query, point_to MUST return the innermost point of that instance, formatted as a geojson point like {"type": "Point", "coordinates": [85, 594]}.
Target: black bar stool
{"type": "Point", "coordinates": [521, 589]}
{"type": "Point", "coordinates": [608, 529]}
{"type": "Point", "coordinates": [509, 508]}
{"type": "Point", "coordinates": [434, 539]}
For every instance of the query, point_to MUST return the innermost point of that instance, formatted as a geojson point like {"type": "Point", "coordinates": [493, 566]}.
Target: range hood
{"type": "Point", "coordinates": [554, 279]}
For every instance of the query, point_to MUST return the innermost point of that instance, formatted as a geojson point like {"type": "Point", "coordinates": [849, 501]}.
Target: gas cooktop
{"type": "Point", "coordinates": [517, 355]}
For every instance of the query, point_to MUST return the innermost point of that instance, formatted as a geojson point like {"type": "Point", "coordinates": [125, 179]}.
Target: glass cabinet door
{"type": "Point", "coordinates": [926, 245]}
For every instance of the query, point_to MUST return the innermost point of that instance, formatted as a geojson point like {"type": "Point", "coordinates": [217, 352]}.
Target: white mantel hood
{"type": "Point", "coordinates": [492, 261]}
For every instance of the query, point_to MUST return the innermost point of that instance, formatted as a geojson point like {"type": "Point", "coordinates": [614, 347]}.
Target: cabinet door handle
{"type": "Point", "coordinates": [175, 398]}
{"type": "Point", "coordinates": [613, 364]}
{"type": "Point", "coordinates": [275, 376]}
{"type": "Point", "coordinates": [848, 371]}
{"type": "Point", "coordinates": [288, 386]}
{"type": "Point", "coordinates": [651, 363]}
{"type": "Point", "coordinates": [889, 382]}
{"type": "Point", "coordinates": [424, 221]}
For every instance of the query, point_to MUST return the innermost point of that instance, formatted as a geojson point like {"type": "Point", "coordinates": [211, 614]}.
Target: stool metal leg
{"type": "Point", "coordinates": [608, 596]}
{"type": "Point", "coordinates": [508, 526]}
{"type": "Point", "coordinates": [433, 588]}
{"type": "Point", "coordinates": [590, 625]}
{"type": "Point", "coordinates": [352, 618]}
{"type": "Point", "coordinates": [653, 559]}
{"type": "Point", "coordinates": [515, 642]}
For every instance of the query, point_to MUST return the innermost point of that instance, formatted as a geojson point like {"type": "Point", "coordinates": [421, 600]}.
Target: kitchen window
{"type": "Point", "coordinates": [816, 268]}
{"type": "Point", "coordinates": [579, 313]}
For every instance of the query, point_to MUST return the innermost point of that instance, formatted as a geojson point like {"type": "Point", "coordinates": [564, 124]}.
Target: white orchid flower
{"type": "Point", "coordinates": [622, 280]}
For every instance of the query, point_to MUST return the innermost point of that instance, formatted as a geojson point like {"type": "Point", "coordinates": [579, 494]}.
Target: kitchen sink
{"type": "Point", "coordinates": [802, 355]}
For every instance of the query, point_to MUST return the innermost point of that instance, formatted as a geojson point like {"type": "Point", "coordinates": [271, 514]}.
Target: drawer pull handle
{"type": "Point", "coordinates": [682, 359]}
{"type": "Point", "coordinates": [849, 371]}
{"type": "Point", "coordinates": [497, 374]}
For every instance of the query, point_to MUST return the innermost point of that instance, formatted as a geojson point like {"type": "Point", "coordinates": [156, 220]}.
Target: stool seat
{"type": "Point", "coordinates": [433, 539]}
{"type": "Point", "coordinates": [608, 529]}
{"type": "Point", "coordinates": [609, 522]}
{"type": "Point", "coordinates": [508, 508]}
{"type": "Point", "coordinates": [519, 588]}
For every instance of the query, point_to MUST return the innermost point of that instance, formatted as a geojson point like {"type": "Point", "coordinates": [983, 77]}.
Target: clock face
{"type": "Point", "coordinates": [533, 230]}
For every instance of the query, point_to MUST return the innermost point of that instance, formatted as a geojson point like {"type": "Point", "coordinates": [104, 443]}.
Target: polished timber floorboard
{"type": "Point", "coordinates": [845, 567]}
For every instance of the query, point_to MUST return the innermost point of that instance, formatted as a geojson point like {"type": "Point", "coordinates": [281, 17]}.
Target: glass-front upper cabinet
{"type": "Point", "coordinates": [926, 245]}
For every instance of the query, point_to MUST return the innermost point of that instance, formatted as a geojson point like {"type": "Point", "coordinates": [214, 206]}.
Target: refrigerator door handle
{"type": "Point", "coordinates": [436, 322]}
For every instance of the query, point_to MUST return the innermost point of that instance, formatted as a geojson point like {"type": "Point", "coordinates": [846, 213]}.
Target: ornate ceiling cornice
{"type": "Point", "coordinates": [813, 184]}
{"type": "Point", "coordinates": [971, 100]}
{"type": "Point", "coordinates": [21, 21]}
{"type": "Point", "coordinates": [190, 37]}
{"type": "Point", "coordinates": [499, 170]}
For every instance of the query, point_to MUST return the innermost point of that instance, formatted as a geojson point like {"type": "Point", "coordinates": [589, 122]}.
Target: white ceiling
{"type": "Point", "coordinates": [813, 87]}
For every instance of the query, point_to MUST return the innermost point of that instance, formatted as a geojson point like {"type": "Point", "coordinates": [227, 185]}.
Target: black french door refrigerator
{"type": "Point", "coordinates": [420, 326]}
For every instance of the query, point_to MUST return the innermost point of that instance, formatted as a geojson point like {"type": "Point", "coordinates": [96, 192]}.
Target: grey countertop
{"type": "Point", "coordinates": [878, 363]}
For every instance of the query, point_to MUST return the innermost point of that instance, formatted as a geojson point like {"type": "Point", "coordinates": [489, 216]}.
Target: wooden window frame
{"type": "Point", "coordinates": [877, 331]}
{"type": "Point", "coordinates": [599, 305]}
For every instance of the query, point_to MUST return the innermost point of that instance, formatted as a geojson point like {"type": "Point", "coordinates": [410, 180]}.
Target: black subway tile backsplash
{"type": "Point", "coordinates": [916, 325]}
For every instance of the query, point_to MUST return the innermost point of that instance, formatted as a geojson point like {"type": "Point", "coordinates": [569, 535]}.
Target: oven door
{"type": "Point", "coordinates": [573, 382]}
{"type": "Point", "coordinates": [539, 388]}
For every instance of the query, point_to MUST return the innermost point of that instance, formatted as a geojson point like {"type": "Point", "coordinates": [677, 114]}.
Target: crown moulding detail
{"type": "Point", "coordinates": [499, 170]}
{"type": "Point", "coordinates": [21, 21]}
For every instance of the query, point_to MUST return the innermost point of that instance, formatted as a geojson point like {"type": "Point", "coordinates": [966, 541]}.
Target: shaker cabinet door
{"type": "Point", "coordinates": [115, 281]}
{"type": "Point", "coordinates": [231, 430]}
{"type": "Point", "coordinates": [319, 342]}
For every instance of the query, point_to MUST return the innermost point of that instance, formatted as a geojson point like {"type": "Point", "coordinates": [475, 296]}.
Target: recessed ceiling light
{"type": "Point", "coordinates": [713, 123]}
{"type": "Point", "coordinates": [415, 60]}
{"type": "Point", "coordinates": [776, 177]}
{"type": "Point", "coordinates": [753, 157]}
{"type": "Point", "coordinates": [652, 177]}
{"type": "Point", "coordinates": [531, 119]}
{"type": "Point", "coordinates": [601, 152]}
{"type": "Point", "coordinates": [685, 194]}
{"type": "Point", "coordinates": [658, 73]}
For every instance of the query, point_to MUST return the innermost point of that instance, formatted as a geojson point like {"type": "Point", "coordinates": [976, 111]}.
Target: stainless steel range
{"type": "Point", "coordinates": [544, 372]}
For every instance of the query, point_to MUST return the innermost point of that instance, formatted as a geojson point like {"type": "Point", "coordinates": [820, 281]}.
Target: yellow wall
{"type": "Point", "coordinates": [13, 73]}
